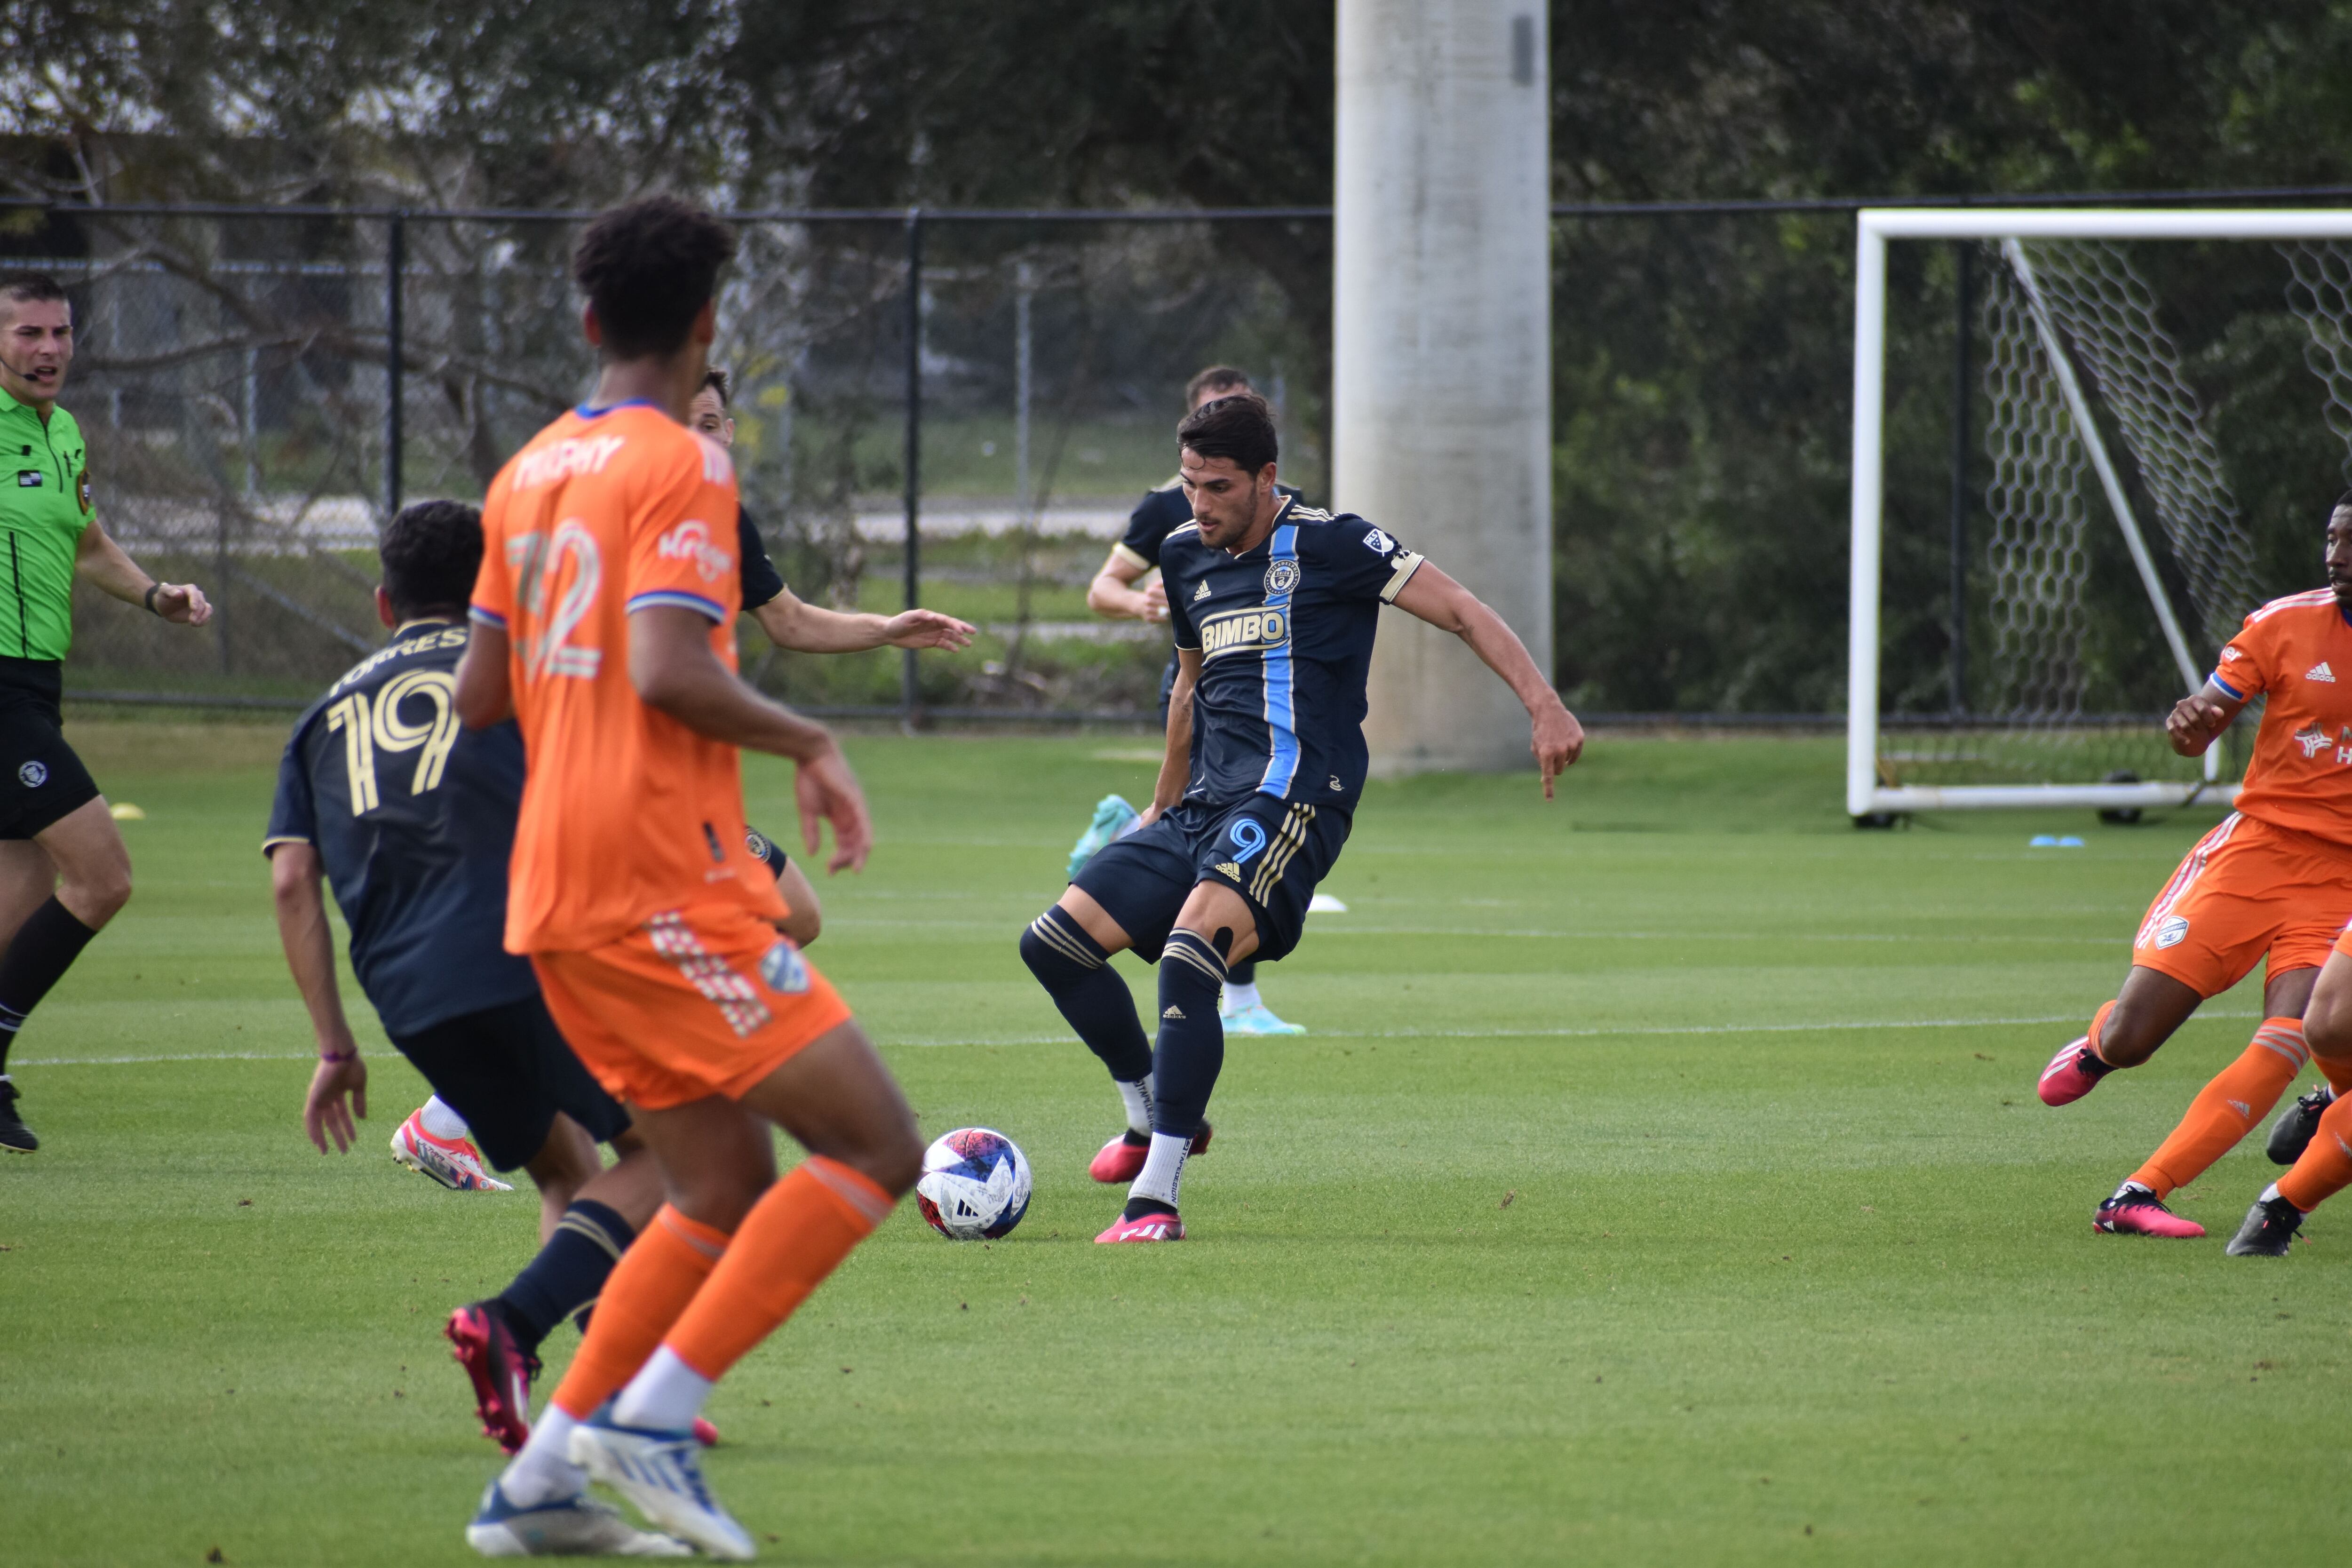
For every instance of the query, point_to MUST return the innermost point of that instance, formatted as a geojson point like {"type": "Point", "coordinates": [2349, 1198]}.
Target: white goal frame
{"type": "Point", "coordinates": [1865, 795]}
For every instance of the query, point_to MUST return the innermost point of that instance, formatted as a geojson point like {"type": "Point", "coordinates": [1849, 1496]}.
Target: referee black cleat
{"type": "Point", "coordinates": [2268, 1229]}
{"type": "Point", "coordinates": [2291, 1134]}
{"type": "Point", "coordinates": [15, 1138]}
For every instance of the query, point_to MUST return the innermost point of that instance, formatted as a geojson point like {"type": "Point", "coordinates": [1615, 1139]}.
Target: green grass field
{"type": "Point", "coordinates": [1663, 1181]}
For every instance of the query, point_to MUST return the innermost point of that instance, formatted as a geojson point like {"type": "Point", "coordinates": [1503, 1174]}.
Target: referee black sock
{"type": "Point", "coordinates": [1077, 973]}
{"type": "Point", "coordinates": [1192, 1048]}
{"type": "Point", "coordinates": [45, 947]}
{"type": "Point", "coordinates": [569, 1272]}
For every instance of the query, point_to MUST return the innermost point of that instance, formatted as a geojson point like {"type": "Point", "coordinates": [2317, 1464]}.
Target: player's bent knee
{"type": "Point", "coordinates": [2327, 1022]}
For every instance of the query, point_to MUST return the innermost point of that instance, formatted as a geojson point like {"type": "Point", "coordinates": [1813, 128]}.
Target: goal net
{"type": "Point", "coordinates": [2158, 411]}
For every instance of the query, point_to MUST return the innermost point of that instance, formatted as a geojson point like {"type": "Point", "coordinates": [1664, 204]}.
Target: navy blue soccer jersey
{"type": "Point", "coordinates": [412, 815]}
{"type": "Point", "coordinates": [1285, 634]}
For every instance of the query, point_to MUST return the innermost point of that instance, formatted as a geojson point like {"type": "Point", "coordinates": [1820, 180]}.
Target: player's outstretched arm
{"type": "Point", "coordinates": [674, 669]}
{"type": "Point", "coordinates": [1558, 740]}
{"type": "Point", "coordinates": [295, 874]}
{"type": "Point", "coordinates": [1113, 593]}
{"type": "Point", "coordinates": [2198, 719]}
{"type": "Point", "coordinates": [792, 621]}
{"type": "Point", "coordinates": [104, 565]}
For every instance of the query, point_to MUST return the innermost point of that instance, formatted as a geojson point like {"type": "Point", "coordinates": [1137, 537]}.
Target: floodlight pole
{"type": "Point", "coordinates": [396, 392]}
{"type": "Point", "coordinates": [910, 688]}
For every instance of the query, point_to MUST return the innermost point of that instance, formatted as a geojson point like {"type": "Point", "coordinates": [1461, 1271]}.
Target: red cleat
{"type": "Point", "coordinates": [2072, 1073]}
{"type": "Point", "coordinates": [1150, 1227]}
{"type": "Point", "coordinates": [2136, 1211]}
{"type": "Point", "coordinates": [502, 1373]}
{"type": "Point", "coordinates": [1121, 1159]}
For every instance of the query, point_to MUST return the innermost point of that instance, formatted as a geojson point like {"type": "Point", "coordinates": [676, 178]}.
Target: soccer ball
{"type": "Point", "coordinates": [975, 1184]}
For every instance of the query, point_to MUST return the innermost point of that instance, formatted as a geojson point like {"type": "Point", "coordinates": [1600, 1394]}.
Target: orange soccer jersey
{"type": "Point", "coordinates": [2301, 774]}
{"type": "Point", "coordinates": [2275, 880]}
{"type": "Point", "coordinates": [627, 813]}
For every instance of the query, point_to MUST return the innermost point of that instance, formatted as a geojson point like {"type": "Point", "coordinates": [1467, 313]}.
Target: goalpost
{"type": "Point", "coordinates": [2075, 333]}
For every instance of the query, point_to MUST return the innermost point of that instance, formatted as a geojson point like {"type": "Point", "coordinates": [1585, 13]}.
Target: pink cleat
{"type": "Point", "coordinates": [2072, 1073]}
{"type": "Point", "coordinates": [1149, 1228]}
{"type": "Point", "coordinates": [705, 1432]}
{"type": "Point", "coordinates": [1121, 1159]}
{"type": "Point", "coordinates": [2136, 1211]}
{"type": "Point", "coordinates": [501, 1371]}
{"type": "Point", "coordinates": [454, 1162]}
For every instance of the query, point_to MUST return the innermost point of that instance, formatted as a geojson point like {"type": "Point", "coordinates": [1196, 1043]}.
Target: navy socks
{"type": "Point", "coordinates": [569, 1272]}
{"type": "Point", "coordinates": [1192, 1049]}
{"type": "Point", "coordinates": [1075, 973]}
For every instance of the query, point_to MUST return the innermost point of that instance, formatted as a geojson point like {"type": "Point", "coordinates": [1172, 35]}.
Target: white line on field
{"type": "Point", "coordinates": [1581, 1034]}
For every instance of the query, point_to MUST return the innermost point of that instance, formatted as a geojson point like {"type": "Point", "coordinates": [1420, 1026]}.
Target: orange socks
{"type": "Point", "coordinates": [2325, 1168]}
{"type": "Point", "coordinates": [2098, 1027]}
{"type": "Point", "coordinates": [2224, 1109]}
{"type": "Point", "coordinates": [793, 1236]}
{"type": "Point", "coordinates": [651, 1285]}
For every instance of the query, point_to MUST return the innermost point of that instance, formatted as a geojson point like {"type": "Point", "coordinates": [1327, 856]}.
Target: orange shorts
{"type": "Point", "coordinates": [687, 1005]}
{"type": "Point", "coordinates": [2246, 892]}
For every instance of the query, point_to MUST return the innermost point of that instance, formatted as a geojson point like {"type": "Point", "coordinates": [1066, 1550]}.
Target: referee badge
{"type": "Point", "coordinates": [82, 489]}
{"type": "Point", "coordinates": [33, 775]}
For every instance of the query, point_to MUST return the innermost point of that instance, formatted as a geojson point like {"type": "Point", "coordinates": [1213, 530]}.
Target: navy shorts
{"type": "Point", "coordinates": [1271, 851]}
{"type": "Point", "coordinates": [41, 780]}
{"type": "Point", "coordinates": [507, 1070]}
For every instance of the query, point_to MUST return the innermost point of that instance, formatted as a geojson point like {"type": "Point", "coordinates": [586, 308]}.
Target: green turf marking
{"type": "Point", "coordinates": [1793, 1267]}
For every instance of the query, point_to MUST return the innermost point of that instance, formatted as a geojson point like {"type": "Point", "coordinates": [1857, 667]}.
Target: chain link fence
{"type": "Point", "coordinates": [962, 408]}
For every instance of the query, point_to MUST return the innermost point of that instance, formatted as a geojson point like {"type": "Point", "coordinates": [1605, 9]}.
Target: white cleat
{"type": "Point", "coordinates": [568, 1527]}
{"type": "Point", "coordinates": [1257, 1020]}
{"type": "Point", "coordinates": [454, 1162]}
{"type": "Point", "coordinates": [661, 1472]}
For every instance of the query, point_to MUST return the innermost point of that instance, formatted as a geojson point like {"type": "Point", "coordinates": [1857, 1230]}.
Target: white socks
{"type": "Point", "coordinates": [442, 1122]}
{"type": "Point", "coordinates": [1163, 1169]}
{"type": "Point", "coordinates": [1138, 1096]}
{"type": "Point", "coordinates": [665, 1395]}
{"type": "Point", "coordinates": [543, 1472]}
{"type": "Point", "coordinates": [1240, 998]}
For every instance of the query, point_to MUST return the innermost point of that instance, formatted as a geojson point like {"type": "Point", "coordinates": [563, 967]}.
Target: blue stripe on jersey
{"type": "Point", "coordinates": [2234, 694]}
{"type": "Point", "coordinates": [488, 617]}
{"type": "Point", "coordinates": [695, 601]}
{"type": "Point", "coordinates": [1281, 719]}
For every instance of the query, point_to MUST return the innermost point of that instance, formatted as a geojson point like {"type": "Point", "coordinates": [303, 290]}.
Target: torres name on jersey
{"type": "Point", "coordinates": [627, 813]}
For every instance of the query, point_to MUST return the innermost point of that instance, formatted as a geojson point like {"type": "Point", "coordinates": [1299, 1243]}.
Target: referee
{"type": "Point", "coordinates": [63, 869]}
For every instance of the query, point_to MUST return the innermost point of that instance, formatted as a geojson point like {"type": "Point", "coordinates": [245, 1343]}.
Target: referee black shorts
{"type": "Point", "coordinates": [507, 1070]}
{"type": "Point", "coordinates": [41, 779]}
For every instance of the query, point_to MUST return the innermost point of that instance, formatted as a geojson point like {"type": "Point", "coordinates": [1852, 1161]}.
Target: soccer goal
{"type": "Point", "coordinates": [2133, 375]}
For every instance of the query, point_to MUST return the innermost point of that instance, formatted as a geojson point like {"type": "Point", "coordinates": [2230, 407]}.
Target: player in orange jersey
{"type": "Point", "coordinates": [605, 617]}
{"type": "Point", "coordinates": [2273, 883]}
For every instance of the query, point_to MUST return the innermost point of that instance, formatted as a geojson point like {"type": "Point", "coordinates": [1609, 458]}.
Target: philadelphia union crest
{"type": "Point", "coordinates": [1282, 577]}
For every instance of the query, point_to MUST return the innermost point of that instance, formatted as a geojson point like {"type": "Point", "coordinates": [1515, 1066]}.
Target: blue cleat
{"type": "Point", "coordinates": [569, 1527]}
{"type": "Point", "coordinates": [661, 1472]}
{"type": "Point", "coordinates": [1112, 815]}
{"type": "Point", "coordinates": [1258, 1020]}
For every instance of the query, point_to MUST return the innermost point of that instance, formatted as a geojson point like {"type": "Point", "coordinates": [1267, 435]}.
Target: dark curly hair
{"type": "Point", "coordinates": [431, 554]}
{"type": "Point", "coordinates": [1239, 427]}
{"type": "Point", "coordinates": [648, 268]}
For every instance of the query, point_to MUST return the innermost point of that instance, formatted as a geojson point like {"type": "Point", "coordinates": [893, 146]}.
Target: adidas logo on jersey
{"type": "Point", "coordinates": [1227, 868]}
{"type": "Point", "coordinates": [1173, 1011]}
{"type": "Point", "coordinates": [2320, 672]}
{"type": "Point", "coordinates": [1201, 593]}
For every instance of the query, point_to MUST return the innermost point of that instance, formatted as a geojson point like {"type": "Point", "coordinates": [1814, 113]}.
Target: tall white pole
{"type": "Point", "coordinates": [1441, 366]}
{"type": "Point", "coordinates": [1862, 584]}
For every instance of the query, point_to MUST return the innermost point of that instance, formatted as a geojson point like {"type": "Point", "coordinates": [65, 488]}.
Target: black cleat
{"type": "Point", "coordinates": [2291, 1134]}
{"type": "Point", "coordinates": [2268, 1229]}
{"type": "Point", "coordinates": [15, 1138]}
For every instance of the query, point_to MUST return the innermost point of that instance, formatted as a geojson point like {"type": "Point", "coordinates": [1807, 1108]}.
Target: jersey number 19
{"type": "Point", "coordinates": [371, 727]}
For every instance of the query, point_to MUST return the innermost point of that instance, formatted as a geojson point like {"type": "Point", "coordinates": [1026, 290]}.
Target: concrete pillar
{"type": "Point", "coordinates": [1441, 370]}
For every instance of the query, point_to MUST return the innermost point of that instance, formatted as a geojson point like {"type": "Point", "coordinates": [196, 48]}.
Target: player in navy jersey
{"type": "Point", "coordinates": [1113, 593]}
{"type": "Point", "coordinates": [411, 818]}
{"type": "Point", "coordinates": [1273, 605]}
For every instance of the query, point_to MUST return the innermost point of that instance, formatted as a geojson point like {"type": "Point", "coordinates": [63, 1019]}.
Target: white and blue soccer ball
{"type": "Point", "coordinates": [975, 1184]}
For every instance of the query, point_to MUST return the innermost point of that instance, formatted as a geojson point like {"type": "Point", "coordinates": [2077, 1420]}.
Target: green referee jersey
{"type": "Point", "coordinates": [44, 507]}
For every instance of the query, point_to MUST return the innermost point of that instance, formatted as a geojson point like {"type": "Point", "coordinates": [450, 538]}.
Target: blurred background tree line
{"type": "Point", "coordinates": [1702, 363]}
